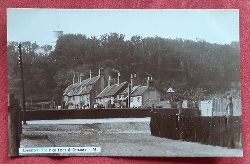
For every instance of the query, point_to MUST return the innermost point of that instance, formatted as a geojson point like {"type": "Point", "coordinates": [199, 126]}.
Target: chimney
{"type": "Point", "coordinates": [118, 78]}
{"type": "Point", "coordinates": [81, 77]}
{"type": "Point", "coordinates": [109, 80]}
{"type": "Point", "coordinates": [90, 74]}
{"type": "Point", "coordinates": [100, 71]}
{"type": "Point", "coordinates": [78, 78]}
{"type": "Point", "coordinates": [131, 80]}
{"type": "Point", "coordinates": [148, 81]}
{"type": "Point", "coordinates": [74, 78]}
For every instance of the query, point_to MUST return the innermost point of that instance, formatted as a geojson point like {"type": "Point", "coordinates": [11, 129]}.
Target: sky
{"type": "Point", "coordinates": [37, 25]}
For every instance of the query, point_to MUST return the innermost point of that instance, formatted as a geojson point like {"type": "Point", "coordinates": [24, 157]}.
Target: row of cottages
{"type": "Point", "coordinates": [116, 96]}
{"type": "Point", "coordinates": [141, 96]}
{"type": "Point", "coordinates": [108, 97]}
{"type": "Point", "coordinates": [82, 94]}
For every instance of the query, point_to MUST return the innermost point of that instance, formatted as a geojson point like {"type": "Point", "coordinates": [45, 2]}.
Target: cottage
{"type": "Point", "coordinates": [108, 97]}
{"type": "Point", "coordinates": [81, 95]}
{"type": "Point", "coordinates": [122, 97]}
{"type": "Point", "coordinates": [141, 96]}
{"type": "Point", "coordinates": [144, 96]}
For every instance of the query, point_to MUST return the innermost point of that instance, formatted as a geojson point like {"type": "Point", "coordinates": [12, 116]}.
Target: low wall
{"type": "Point", "coordinates": [99, 113]}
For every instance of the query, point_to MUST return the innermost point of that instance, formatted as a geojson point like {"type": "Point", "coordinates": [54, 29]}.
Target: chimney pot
{"type": "Point", "coordinates": [131, 80]}
{"type": "Point", "coordinates": [100, 71]}
{"type": "Point", "coordinates": [148, 81]}
{"type": "Point", "coordinates": [73, 78]}
{"type": "Point", "coordinates": [78, 78]}
{"type": "Point", "coordinates": [90, 74]}
{"type": "Point", "coordinates": [81, 77]}
{"type": "Point", "coordinates": [109, 80]}
{"type": "Point", "coordinates": [118, 77]}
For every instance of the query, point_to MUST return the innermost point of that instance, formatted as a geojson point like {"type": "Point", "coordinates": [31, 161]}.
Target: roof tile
{"type": "Point", "coordinates": [81, 88]}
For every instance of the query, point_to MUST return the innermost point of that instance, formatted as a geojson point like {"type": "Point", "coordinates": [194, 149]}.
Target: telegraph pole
{"type": "Point", "coordinates": [129, 95]}
{"type": "Point", "coordinates": [20, 61]}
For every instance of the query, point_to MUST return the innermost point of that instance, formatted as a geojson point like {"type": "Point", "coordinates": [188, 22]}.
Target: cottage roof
{"type": "Point", "coordinates": [104, 92]}
{"type": "Point", "coordinates": [135, 91]}
{"type": "Point", "coordinates": [125, 92]}
{"type": "Point", "coordinates": [81, 88]}
{"type": "Point", "coordinates": [139, 91]}
{"type": "Point", "coordinates": [112, 90]}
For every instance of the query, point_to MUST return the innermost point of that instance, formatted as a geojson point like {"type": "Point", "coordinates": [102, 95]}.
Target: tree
{"type": "Point", "coordinates": [185, 64]}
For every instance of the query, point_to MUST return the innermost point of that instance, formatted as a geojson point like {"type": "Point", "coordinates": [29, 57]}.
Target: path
{"type": "Point", "coordinates": [116, 137]}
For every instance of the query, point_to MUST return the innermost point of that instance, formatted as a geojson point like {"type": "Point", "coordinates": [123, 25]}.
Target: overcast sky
{"type": "Point", "coordinates": [215, 26]}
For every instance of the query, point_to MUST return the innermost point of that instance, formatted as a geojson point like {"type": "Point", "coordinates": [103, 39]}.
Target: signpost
{"type": "Point", "coordinates": [171, 91]}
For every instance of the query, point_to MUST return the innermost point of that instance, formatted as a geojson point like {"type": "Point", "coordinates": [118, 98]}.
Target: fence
{"type": "Point", "coordinates": [220, 104]}
{"type": "Point", "coordinates": [217, 131]}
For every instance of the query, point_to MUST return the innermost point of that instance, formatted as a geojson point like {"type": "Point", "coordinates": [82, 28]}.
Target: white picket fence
{"type": "Point", "coordinates": [220, 105]}
{"type": "Point", "coordinates": [217, 106]}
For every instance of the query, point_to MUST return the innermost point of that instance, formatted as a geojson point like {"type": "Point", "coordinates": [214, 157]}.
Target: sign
{"type": "Point", "coordinates": [170, 90]}
{"type": "Point", "coordinates": [59, 150]}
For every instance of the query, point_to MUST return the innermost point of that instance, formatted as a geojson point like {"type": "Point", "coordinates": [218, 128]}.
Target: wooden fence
{"type": "Point", "coordinates": [217, 131]}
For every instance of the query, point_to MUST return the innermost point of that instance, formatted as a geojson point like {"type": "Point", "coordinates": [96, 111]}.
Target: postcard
{"type": "Point", "coordinates": [124, 82]}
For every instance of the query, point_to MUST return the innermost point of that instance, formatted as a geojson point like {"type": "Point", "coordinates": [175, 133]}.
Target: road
{"type": "Point", "coordinates": [116, 137]}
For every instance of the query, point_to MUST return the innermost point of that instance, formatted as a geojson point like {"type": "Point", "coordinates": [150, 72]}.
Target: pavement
{"type": "Point", "coordinates": [116, 137]}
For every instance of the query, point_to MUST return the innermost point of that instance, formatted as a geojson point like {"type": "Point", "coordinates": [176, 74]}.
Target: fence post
{"type": "Point", "coordinates": [14, 126]}
{"type": "Point", "coordinates": [231, 132]}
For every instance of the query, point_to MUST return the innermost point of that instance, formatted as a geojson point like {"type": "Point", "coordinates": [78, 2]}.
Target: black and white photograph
{"type": "Point", "coordinates": [124, 82]}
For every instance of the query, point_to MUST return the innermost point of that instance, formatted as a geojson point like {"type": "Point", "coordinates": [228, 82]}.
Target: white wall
{"type": "Point", "coordinates": [104, 101]}
{"type": "Point", "coordinates": [135, 101]}
{"type": "Point", "coordinates": [78, 100]}
{"type": "Point", "coordinates": [206, 108]}
{"type": "Point", "coordinates": [65, 98]}
{"type": "Point", "coordinates": [184, 104]}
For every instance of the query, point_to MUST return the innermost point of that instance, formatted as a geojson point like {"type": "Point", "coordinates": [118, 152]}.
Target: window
{"type": "Point", "coordinates": [138, 98]}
